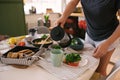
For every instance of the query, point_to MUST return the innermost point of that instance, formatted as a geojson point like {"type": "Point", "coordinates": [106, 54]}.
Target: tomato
{"type": "Point", "coordinates": [73, 63]}
{"type": "Point", "coordinates": [21, 44]}
{"type": "Point", "coordinates": [82, 24]}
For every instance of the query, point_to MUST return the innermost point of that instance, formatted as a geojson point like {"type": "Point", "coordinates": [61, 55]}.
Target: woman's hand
{"type": "Point", "coordinates": [101, 50]}
{"type": "Point", "coordinates": [60, 21]}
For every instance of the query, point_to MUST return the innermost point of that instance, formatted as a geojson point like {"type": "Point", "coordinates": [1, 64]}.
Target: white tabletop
{"type": "Point", "coordinates": [35, 72]}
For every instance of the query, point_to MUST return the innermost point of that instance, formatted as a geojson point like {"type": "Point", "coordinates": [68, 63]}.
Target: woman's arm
{"type": "Point", "coordinates": [119, 12]}
{"type": "Point", "coordinates": [116, 33]}
{"type": "Point", "coordinates": [70, 8]}
{"type": "Point", "coordinates": [101, 50]}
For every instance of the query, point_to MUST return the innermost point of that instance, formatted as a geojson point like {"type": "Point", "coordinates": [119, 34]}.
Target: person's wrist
{"type": "Point", "coordinates": [107, 43]}
{"type": "Point", "coordinates": [64, 17]}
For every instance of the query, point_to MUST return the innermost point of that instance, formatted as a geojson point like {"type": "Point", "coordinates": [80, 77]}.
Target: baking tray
{"type": "Point", "coordinates": [21, 61]}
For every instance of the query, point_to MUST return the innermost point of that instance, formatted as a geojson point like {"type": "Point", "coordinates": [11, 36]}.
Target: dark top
{"type": "Point", "coordinates": [101, 17]}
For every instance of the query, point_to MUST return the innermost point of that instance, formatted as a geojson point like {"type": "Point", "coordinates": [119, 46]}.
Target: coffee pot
{"type": "Point", "coordinates": [58, 34]}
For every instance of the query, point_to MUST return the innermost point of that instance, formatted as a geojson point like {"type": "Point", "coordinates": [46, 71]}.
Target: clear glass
{"type": "Point", "coordinates": [56, 57]}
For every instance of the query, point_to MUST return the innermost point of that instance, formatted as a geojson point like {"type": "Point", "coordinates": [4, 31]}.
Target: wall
{"type": "Point", "coordinates": [12, 19]}
{"type": "Point", "coordinates": [31, 19]}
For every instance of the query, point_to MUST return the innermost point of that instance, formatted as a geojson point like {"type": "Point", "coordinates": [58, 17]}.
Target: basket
{"type": "Point", "coordinates": [22, 61]}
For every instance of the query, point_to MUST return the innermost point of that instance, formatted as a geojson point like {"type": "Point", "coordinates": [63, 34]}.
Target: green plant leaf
{"type": "Point", "coordinates": [72, 57]}
{"type": "Point", "coordinates": [44, 36]}
{"type": "Point", "coordinates": [56, 47]}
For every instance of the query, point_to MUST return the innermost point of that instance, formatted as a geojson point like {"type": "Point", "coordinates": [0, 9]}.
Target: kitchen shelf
{"type": "Point", "coordinates": [77, 14]}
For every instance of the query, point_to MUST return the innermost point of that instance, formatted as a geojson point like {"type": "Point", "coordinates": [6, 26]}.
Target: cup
{"type": "Point", "coordinates": [56, 57]}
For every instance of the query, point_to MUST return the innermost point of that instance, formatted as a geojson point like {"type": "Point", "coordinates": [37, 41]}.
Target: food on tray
{"type": "Point", "coordinates": [12, 55]}
{"type": "Point", "coordinates": [20, 54]}
{"type": "Point", "coordinates": [72, 59]}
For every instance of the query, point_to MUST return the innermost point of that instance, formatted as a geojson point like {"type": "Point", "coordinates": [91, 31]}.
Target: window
{"type": "Point", "coordinates": [42, 5]}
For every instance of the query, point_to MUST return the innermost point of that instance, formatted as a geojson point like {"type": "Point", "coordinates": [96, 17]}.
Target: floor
{"type": "Point", "coordinates": [97, 76]}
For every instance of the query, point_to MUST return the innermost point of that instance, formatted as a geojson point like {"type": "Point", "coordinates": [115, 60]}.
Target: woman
{"type": "Point", "coordinates": [103, 28]}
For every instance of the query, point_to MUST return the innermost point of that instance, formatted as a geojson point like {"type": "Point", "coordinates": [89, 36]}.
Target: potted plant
{"type": "Point", "coordinates": [47, 21]}
{"type": "Point", "coordinates": [72, 59]}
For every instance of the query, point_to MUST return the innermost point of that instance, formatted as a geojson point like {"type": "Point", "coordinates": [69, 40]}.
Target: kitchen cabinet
{"type": "Point", "coordinates": [12, 18]}
{"type": "Point", "coordinates": [77, 14]}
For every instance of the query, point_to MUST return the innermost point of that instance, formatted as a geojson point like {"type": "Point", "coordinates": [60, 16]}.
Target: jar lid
{"type": "Point", "coordinates": [57, 33]}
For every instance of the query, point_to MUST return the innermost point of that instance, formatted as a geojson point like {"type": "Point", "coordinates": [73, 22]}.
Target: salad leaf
{"type": "Point", "coordinates": [74, 42]}
{"type": "Point", "coordinates": [56, 47]}
{"type": "Point", "coordinates": [44, 36]}
{"type": "Point", "coordinates": [72, 57]}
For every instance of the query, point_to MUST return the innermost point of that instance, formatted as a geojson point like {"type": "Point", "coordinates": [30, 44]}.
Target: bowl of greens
{"type": "Point", "coordinates": [76, 44]}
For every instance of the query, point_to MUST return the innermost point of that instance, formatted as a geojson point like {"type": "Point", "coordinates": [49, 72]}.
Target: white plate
{"type": "Point", "coordinates": [83, 62]}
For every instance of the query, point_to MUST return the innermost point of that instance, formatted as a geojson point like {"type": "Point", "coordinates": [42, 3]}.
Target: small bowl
{"type": "Point", "coordinates": [78, 46]}
{"type": "Point", "coordinates": [39, 41]}
{"type": "Point", "coordinates": [29, 39]}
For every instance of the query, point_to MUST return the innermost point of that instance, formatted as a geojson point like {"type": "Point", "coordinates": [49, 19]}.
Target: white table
{"type": "Point", "coordinates": [35, 72]}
